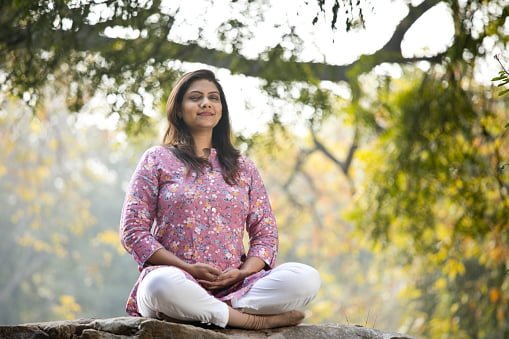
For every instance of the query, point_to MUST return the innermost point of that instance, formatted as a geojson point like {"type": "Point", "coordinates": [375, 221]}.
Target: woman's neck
{"type": "Point", "coordinates": [202, 144]}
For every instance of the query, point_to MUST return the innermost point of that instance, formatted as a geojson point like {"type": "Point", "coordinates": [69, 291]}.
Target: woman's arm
{"type": "Point", "coordinates": [139, 209]}
{"type": "Point", "coordinates": [261, 222]}
{"type": "Point", "coordinates": [252, 265]}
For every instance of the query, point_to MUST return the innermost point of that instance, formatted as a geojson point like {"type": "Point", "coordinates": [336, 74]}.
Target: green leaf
{"type": "Point", "coordinates": [505, 91]}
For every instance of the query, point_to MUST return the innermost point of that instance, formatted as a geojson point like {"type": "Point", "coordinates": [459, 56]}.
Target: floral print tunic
{"type": "Point", "coordinates": [197, 217]}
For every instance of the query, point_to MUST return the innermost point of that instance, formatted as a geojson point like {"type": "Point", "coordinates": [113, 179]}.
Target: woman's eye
{"type": "Point", "coordinates": [194, 98]}
{"type": "Point", "coordinates": [215, 98]}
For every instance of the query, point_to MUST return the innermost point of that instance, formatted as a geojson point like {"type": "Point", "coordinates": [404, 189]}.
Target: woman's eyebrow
{"type": "Point", "coordinates": [200, 92]}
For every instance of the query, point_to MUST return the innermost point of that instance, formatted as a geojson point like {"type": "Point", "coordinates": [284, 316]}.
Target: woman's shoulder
{"type": "Point", "coordinates": [159, 154]}
{"type": "Point", "coordinates": [159, 150]}
{"type": "Point", "coordinates": [246, 163]}
{"type": "Point", "coordinates": [244, 160]}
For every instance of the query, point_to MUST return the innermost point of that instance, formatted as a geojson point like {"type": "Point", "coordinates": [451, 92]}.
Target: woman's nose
{"type": "Point", "coordinates": [205, 102]}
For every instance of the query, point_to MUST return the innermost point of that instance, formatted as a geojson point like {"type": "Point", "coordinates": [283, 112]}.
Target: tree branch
{"type": "Point", "coordinates": [414, 13]}
{"type": "Point", "coordinates": [344, 166]}
{"type": "Point", "coordinates": [301, 158]}
{"type": "Point", "coordinates": [270, 65]}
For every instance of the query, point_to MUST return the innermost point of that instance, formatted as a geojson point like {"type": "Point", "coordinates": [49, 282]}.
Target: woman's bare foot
{"type": "Point", "coordinates": [290, 318]}
{"type": "Point", "coordinates": [258, 322]}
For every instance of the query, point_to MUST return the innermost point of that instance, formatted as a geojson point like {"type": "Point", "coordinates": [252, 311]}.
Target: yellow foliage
{"type": "Point", "coordinates": [497, 253]}
{"type": "Point", "coordinates": [35, 126]}
{"type": "Point", "coordinates": [58, 242]}
{"type": "Point", "coordinates": [327, 277]}
{"type": "Point", "coordinates": [302, 250]}
{"type": "Point", "coordinates": [110, 238]}
{"type": "Point", "coordinates": [322, 309]}
{"type": "Point", "coordinates": [453, 267]}
{"type": "Point", "coordinates": [8, 145]}
{"type": "Point", "coordinates": [37, 244]}
{"type": "Point", "coordinates": [41, 113]}
{"type": "Point", "coordinates": [410, 292]}
{"type": "Point", "coordinates": [67, 308]}
{"type": "Point", "coordinates": [285, 245]}
{"type": "Point", "coordinates": [3, 170]}
{"type": "Point", "coordinates": [458, 183]}
{"type": "Point", "coordinates": [427, 235]}
{"type": "Point", "coordinates": [40, 173]}
{"type": "Point", "coordinates": [441, 255]}
{"type": "Point", "coordinates": [471, 248]}
{"type": "Point", "coordinates": [55, 246]}
{"type": "Point", "coordinates": [398, 238]}
{"type": "Point", "coordinates": [402, 180]}
{"type": "Point", "coordinates": [440, 284]}
{"type": "Point", "coordinates": [84, 218]}
{"type": "Point", "coordinates": [369, 156]}
{"type": "Point", "coordinates": [36, 208]}
{"type": "Point", "coordinates": [53, 143]}
{"type": "Point", "coordinates": [25, 193]}
{"type": "Point", "coordinates": [439, 326]}
{"type": "Point", "coordinates": [47, 199]}
{"type": "Point", "coordinates": [36, 224]}
{"type": "Point", "coordinates": [443, 232]}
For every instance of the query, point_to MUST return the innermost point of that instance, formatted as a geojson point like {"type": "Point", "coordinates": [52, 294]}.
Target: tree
{"type": "Point", "coordinates": [429, 142]}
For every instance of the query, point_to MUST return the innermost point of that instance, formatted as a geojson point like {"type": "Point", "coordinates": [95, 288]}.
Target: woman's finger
{"type": "Point", "coordinates": [212, 277]}
{"type": "Point", "coordinates": [214, 270]}
{"type": "Point", "coordinates": [214, 285]}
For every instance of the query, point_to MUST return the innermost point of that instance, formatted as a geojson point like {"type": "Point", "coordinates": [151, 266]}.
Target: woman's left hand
{"type": "Point", "coordinates": [225, 279]}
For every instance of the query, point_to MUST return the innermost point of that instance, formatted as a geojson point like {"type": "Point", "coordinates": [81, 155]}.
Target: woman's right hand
{"type": "Point", "coordinates": [201, 271]}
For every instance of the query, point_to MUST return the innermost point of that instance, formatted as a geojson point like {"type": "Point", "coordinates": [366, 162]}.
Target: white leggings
{"type": "Point", "coordinates": [167, 290]}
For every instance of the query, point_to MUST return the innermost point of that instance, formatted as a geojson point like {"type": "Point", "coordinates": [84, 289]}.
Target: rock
{"type": "Point", "coordinates": [146, 328]}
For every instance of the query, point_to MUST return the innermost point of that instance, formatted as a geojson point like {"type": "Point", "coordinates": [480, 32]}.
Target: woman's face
{"type": "Point", "coordinates": [201, 106]}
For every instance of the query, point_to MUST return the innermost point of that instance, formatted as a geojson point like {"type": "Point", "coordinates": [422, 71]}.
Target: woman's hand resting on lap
{"type": "Point", "coordinates": [204, 272]}
{"type": "Point", "coordinates": [225, 279]}
{"type": "Point", "coordinates": [211, 278]}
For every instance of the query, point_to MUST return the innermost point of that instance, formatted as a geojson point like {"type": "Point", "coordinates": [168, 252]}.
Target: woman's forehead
{"type": "Point", "coordinates": [203, 86]}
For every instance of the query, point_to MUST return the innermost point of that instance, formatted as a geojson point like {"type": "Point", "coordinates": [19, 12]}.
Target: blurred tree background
{"type": "Point", "coordinates": [388, 170]}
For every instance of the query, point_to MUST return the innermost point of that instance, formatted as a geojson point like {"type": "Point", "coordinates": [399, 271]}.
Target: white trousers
{"type": "Point", "coordinates": [166, 290]}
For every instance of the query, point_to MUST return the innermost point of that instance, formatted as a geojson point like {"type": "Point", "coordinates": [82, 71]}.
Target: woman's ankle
{"type": "Point", "coordinates": [258, 322]}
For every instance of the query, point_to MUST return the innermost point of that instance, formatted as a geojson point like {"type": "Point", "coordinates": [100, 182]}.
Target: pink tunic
{"type": "Point", "coordinates": [199, 218]}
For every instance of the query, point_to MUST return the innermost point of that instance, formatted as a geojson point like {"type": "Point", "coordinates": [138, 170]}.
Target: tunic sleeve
{"type": "Point", "coordinates": [139, 210]}
{"type": "Point", "coordinates": [261, 223]}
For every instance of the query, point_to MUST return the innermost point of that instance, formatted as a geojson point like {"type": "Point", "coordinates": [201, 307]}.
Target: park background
{"type": "Point", "coordinates": [377, 126]}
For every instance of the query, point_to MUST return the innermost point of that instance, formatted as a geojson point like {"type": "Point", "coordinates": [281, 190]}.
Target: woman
{"type": "Point", "coordinates": [183, 221]}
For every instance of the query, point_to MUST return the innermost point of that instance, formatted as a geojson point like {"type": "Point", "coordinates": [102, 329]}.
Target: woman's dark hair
{"type": "Point", "coordinates": [179, 138]}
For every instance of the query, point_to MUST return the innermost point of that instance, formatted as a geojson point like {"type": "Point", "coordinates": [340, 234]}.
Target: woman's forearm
{"type": "Point", "coordinates": [252, 265]}
{"type": "Point", "coordinates": [164, 257]}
